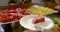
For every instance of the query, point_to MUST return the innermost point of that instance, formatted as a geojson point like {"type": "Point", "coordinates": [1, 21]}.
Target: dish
{"type": "Point", "coordinates": [26, 22]}
{"type": "Point", "coordinates": [12, 15]}
{"type": "Point", "coordinates": [40, 10]}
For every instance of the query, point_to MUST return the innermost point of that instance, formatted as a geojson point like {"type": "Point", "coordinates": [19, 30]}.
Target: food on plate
{"type": "Point", "coordinates": [4, 11]}
{"type": "Point", "coordinates": [41, 10]}
{"type": "Point", "coordinates": [4, 18]}
{"type": "Point", "coordinates": [36, 25]}
{"type": "Point", "coordinates": [57, 23]}
{"type": "Point", "coordinates": [19, 10]}
{"type": "Point", "coordinates": [7, 17]}
{"type": "Point", "coordinates": [38, 19]}
{"type": "Point", "coordinates": [24, 12]}
{"type": "Point", "coordinates": [12, 11]}
{"type": "Point", "coordinates": [12, 15]}
{"type": "Point", "coordinates": [16, 16]}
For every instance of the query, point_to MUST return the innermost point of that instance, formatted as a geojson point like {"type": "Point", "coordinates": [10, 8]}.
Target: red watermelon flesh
{"type": "Point", "coordinates": [38, 19]}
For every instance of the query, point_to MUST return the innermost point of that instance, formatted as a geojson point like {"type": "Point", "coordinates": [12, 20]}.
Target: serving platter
{"type": "Point", "coordinates": [26, 22]}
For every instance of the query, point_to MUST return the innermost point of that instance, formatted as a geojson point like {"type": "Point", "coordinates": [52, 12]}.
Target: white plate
{"type": "Point", "coordinates": [26, 22]}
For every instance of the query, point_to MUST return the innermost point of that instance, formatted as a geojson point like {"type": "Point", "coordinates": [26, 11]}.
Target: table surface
{"type": "Point", "coordinates": [17, 27]}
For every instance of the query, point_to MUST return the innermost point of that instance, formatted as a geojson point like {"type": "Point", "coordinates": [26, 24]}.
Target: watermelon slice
{"type": "Point", "coordinates": [38, 19]}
